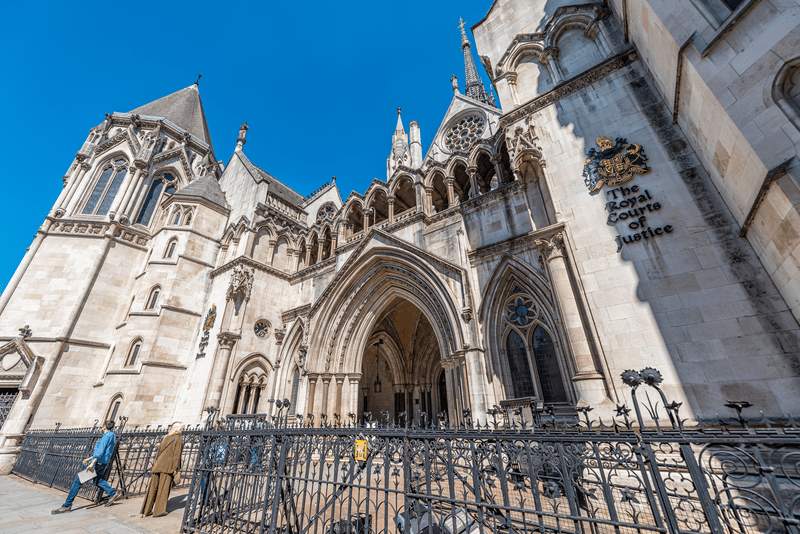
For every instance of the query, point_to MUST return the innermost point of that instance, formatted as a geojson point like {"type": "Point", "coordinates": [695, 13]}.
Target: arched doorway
{"type": "Point", "coordinates": [400, 366]}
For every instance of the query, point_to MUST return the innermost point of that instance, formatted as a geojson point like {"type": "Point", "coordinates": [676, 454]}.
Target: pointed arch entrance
{"type": "Point", "coordinates": [401, 365]}
{"type": "Point", "coordinates": [363, 305]}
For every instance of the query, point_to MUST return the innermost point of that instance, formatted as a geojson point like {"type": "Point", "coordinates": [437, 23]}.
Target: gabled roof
{"type": "Point", "coordinates": [207, 188]}
{"type": "Point", "coordinates": [276, 187]}
{"type": "Point", "coordinates": [183, 108]}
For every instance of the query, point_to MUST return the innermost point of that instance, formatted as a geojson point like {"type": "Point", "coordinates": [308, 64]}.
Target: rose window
{"type": "Point", "coordinates": [465, 132]}
{"type": "Point", "coordinates": [261, 328]}
{"type": "Point", "coordinates": [521, 311]}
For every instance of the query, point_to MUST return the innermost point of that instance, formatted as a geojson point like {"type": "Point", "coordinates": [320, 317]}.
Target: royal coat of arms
{"type": "Point", "coordinates": [614, 164]}
{"type": "Point", "coordinates": [210, 318]}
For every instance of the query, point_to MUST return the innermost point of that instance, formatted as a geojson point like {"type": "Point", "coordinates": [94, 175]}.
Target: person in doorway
{"type": "Point", "coordinates": [98, 462]}
{"type": "Point", "coordinates": [166, 472]}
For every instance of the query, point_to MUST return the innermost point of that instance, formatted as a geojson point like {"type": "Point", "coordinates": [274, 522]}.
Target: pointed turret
{"type": "Point", "coordinates": [473, 84]}
{"type": "Point", "coordinates": [183, 108]}
{"type": "Point", "coordinates": [400, 154]}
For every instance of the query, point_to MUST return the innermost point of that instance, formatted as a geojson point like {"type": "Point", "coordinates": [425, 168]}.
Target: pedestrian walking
{"type": "Point", "coordinates": [166, 472]}
{"type": "Point", "coordinates": [98, 462]}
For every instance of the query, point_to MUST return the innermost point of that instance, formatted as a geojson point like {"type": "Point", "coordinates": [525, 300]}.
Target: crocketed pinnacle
{"type": "Point", "coordinates": [474, 85]}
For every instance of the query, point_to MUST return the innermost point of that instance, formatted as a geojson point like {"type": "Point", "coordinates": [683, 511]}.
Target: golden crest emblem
{"type": "Point", "coordinates": [614, 164]}
{"type": "Point", "coordinates": [210, 318]}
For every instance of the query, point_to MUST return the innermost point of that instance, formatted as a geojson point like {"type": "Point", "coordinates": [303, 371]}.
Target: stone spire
{"type": "Point", "coordinates": [473, 86]}
{"type": "Point", "coordinates": [400, 154]}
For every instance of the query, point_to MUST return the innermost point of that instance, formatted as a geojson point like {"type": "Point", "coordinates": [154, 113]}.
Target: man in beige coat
{"type": "Point", "coordinates": [165, 469]}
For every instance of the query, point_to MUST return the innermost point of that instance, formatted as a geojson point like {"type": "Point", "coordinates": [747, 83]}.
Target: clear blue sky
{"type": "Point", "coordinates": [317, 82]}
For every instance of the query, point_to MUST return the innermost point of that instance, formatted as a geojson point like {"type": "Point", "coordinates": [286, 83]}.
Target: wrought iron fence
{"type": "Point", "coordinates": [53, 457]}
{"type": "Point", "coordinates": [511, 476]}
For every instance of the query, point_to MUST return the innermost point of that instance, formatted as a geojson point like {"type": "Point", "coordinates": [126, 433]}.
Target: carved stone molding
{"type": "Point", "coordinates": [241, 283]}
{"type": "Point", "coordinates": [551, 248]}
{"type": "Point", "coordinates": [577, 83]}
{"type": "Point", "coordinates": [226, 341]}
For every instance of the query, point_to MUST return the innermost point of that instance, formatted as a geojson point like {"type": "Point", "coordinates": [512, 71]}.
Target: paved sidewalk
{"type": "Point", "coordinates": [25, 509]}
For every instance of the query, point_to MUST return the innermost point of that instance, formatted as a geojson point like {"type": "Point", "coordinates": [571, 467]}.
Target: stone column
{"type": "Point", "coordinates": [326, 382]}
{"type": "Point", "coordinates": [124, 194]}
{"type": "Point", "coordinates": [549, 58]}
{"type": "Point", "coordinates": [390, 202]}
{"type": "Point", "coordinates": [135, 205]}
{"type": "Point", "coordinates": [473, 181]}
{"type": "Point", "coordinates": [320, 249]}
{"type": "Point", "coordinates": [418, 193]}
{"type": "Point", "coordinates": [588, 380]}
{"type": "Point", "coordinates": [308, 255]}
{"type": "Point", "coordinates": [511, 77]}
{"type": "Point", "coordinates": [334, 241]}
{"type": "Point", "coordinates": [498, 170]}
{"type": "Point", "coordinates": [312, 388]}
{"type": "Point", "coordinates": [452, 405]}
{"type": "Point", "coordinates": [475, 379]}
{"type": "Point", "coordinates": [295, 260]}
{"type": "Point", "coordinates": [451, 194]}
{"type": "Point", "coordinates": [74, 197]}
{"type": "Point", "coordinates": [354, 379]}
{"type": "Point", "coordinates": [366, 221]}
{"type": "Point", "coordinates": [429, 199]}
{"type": "Point", "coordinates": [219, 370]}
{"type": "Point", "coordinates": [337, 405]}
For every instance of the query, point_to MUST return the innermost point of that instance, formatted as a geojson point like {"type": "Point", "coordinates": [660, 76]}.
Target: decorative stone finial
{"type": "Point", "coordinates": [454, 81]}
{"type": "Point", "coordinates": [240, 141]}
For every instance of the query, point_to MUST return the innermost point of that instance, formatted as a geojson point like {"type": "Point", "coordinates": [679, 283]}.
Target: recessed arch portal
{"type": "Point", "coordinates": [347, 317]}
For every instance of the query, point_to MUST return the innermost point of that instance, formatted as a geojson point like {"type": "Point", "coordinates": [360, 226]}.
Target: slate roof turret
{"type": "Point", "coordinates": [184, 108]}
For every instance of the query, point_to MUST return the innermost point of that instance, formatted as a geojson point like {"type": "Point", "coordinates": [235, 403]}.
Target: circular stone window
{"type": "Point", "coordinates": [262, 328]}
{"type": "Point", "coordinates": [465, 132]}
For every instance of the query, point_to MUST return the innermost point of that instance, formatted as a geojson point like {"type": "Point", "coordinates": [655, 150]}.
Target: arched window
{"type": "Point", "coordinates": [295, 389]}
{"type": "Point", "coordinates": [152, 300]}
{"type": "Point", "coordinates": [177, 218]}
{"type": "Point", "coordinates": [164, 183]}
{"type": "Point", "coordinates": [188, 219]}
{"type": "Point", "coordinates": [133, 354]}
{"type": "Point", "coordinates": [531, 354]}
{"type": "Point", "coordinates": [251, 384]}
{"type": "Point", "coordinates": [113, 407]}
{"type": "Point", "coordinates": [106, 188]}
{"type": "Point", "coordinates": [170, 250]}
{"type": "Point", "coordinates": [521, 377]}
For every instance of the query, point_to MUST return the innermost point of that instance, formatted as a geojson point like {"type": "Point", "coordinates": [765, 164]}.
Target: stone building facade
{"type": "Point", "coordinates": [628, 201]}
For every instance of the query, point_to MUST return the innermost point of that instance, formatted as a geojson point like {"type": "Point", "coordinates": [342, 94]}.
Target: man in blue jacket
{"type": "Point", "coordinates": [98, 462]}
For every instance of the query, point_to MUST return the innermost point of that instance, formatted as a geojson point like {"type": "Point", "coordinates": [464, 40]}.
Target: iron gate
{"type": "Point", "coordinates": [509, 477]}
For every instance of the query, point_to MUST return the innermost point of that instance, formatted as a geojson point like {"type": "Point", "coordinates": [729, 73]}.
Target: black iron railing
{"type": "Point", "coordinates": [54, 457]}
{"type": "Point", "coordinates": [634, 474]}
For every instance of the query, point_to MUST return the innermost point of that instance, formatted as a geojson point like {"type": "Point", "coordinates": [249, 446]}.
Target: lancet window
{"type": "Point", "coordinates": [531, 355]}
{"type": "Point", "coordinates": [106, 188]}
{"type": "Point", "coordinates": [164, 183]}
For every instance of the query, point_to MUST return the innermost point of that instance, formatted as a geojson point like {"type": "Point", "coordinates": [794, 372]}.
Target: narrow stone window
{"type": "Point", "coordinates": [113, 407]}
{"type": "Point", "coordinates": [171, 248]}
{"type": "Point", "coordinates": [188, 219]}
{"type": "Point", "coordinates": [153, 300]}
{"type": "Point", "coordinates": [133, 354]}
{"type": "Point", "coordinates": [177, 219]}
